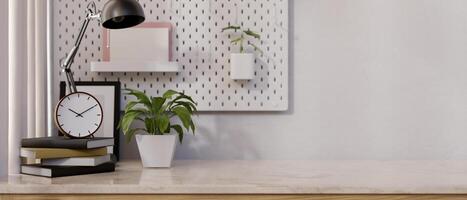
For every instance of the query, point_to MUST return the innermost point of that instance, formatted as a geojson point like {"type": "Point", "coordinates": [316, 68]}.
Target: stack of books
{"type": "Point", "coordinates": [60, 156]}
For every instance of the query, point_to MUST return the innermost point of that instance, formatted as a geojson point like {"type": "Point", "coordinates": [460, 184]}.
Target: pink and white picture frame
{"type": "Point", "coordinates": [147, 42]}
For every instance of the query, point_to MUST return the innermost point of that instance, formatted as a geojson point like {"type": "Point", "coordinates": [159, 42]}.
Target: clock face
{"type": "Point", "coordinates": [78, 115]}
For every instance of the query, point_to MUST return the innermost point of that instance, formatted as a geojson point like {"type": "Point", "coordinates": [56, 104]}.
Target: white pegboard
{"type": "Point", "coordinates": [199, 46]}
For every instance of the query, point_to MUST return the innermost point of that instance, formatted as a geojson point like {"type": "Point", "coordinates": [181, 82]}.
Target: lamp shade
{"type": "Point", "coordinates": [118, 14]}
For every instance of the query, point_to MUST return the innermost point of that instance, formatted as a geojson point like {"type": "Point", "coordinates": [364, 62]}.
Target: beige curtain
{"type": "Point", "coordinates": [27, 90]}
{"type": "Point", "coordinates": [3, 87]}
{"type": "Point", "coordinates": [37, 67]}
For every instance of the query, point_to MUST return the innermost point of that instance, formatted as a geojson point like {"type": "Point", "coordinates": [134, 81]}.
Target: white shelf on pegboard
{"type": "Point", "coordinates": [134, 66]}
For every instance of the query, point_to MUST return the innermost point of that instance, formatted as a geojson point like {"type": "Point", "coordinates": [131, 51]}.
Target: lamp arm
{"type": "Point", "coordinates": [66, 65]}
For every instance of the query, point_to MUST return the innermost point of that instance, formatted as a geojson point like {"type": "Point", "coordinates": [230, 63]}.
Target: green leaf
{"type": "Point", "coordinates": [256, 48]}
{"type": "Point", "coordinates": [157, 103]}
{"type": "Point", "coordinates": [128, 119]}
{"type": "Point", "coordinates": [169, 93]}
{"type": "Point", "coordinates": [187, 105]}
{"type": "Point", "coordinates": [236, 40]}
{"type": "Point", "coordinates": [252, 34]}
{"type": "Point", "coordinates": [184, 97]}
{"type": "Point", "coordinates": [193, 107]}
{"type": "Point", "coordinates": [179, 130]}
{"type": "Point", "coordinates": [231, 28]}
{"type": "Point", "coordinates": [143, 98]}
{"type": "Point", "coordinates": [184, 115]}
{"type": "Point", "coordinates": [141, 110]}
{"type": "Point", "coordinates": [150, 125]}
{"type": "Point", "coordinates": [130, 105]}
{"type": "Point", "coordinates": [167, 131]}
{"type": "Point", "coordinates": [163, 122]}
{"type": "Point", "coordinates": [192, 125]}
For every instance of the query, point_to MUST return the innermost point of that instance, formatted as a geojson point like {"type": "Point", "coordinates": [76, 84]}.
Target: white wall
{"type": "Point", "coordinates": [370, 79]}
{"type": "Point", "coordinates": [3, 86]}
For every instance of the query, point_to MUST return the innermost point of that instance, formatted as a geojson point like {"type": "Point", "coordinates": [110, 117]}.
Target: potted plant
{"type": "Point", "coordinates": [156, 141]}
{"type": "Point", "coordinates": [242, 64]}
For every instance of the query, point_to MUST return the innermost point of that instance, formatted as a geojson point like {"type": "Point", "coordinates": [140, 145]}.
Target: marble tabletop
{"type": "Point", "coordinates": [258, 177]}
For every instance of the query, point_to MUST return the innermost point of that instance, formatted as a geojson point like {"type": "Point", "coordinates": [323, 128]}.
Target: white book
{"type": "Point", "coordinates": [77, 161]}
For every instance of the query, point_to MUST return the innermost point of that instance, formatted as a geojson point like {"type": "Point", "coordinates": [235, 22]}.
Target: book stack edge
{"type": "Point", "coordinates": [60, 156]}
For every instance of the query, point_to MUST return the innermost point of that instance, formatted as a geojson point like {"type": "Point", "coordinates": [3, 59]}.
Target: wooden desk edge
{"type": "Point", "coordinates": [232, 197]}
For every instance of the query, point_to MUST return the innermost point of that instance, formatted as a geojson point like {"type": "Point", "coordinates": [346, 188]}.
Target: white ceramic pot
{"type": "Point", "coordinates": [156, 150]}
{"type": "Point", "coordinates": [242, 66]}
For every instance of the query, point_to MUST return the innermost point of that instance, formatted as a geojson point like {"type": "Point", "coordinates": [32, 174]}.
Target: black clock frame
{"type": "Point", "coordinates": [60, 128]}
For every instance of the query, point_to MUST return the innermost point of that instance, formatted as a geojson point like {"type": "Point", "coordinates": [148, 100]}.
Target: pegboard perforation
{"type": "Point", "coordinates": [200, 48]}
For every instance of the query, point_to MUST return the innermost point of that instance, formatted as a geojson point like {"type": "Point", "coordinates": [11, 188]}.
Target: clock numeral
{"type": "Point", "coordinates": [98, 114]}
{"type": "Point", "coordinates": [89, 98]}
{"type": "Point", "coordinates": [96, 124]}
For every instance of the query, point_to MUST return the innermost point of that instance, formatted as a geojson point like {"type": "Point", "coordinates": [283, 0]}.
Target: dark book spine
{"type": "Point", "coordinates": [72, 171]}
{"type": "Point", "coordinates": [31, 143]}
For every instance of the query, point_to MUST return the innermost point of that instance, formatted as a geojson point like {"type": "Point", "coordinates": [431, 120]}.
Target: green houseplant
{"type": "Point", "coordinates": [242, 63]}
{"type": "Point", "coordinates": [242, 37]}
{"type": "Point", "coordinates": [156, 143]}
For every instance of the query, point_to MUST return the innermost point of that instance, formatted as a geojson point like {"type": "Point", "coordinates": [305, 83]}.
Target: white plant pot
{"type": "Point", "coordinates": [242, 66]}
{"type": "Point", "coordinates": [156, 150]}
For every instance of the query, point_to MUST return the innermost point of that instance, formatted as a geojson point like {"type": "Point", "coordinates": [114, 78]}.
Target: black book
{"type": "Point", "coordinates": [67, 143]}
{"type": "Point", "coordinates": [60, 171]}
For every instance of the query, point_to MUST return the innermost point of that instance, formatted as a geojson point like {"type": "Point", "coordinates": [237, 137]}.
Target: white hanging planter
{"type": "Point", "coordinates": [242, 66]}
{"type": "Point", "coordinates": [156, 150]}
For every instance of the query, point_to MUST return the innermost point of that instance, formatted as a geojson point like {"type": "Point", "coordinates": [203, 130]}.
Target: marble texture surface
{"type": "Point", "coordinates": [258, 177]}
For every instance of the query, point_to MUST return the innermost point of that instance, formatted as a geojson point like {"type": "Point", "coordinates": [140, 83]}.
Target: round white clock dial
{"type": "Point", "coordinates": [78, 115]}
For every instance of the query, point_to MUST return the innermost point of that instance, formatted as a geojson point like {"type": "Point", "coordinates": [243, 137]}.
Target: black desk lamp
{"type": "Point", "coordinates": [116, 14]}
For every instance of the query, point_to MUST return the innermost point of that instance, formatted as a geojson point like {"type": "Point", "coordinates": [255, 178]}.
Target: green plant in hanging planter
{"type": "Point", "coordinates": [156, 114]}
{"type": "Point", "coordinates": [242, 38]}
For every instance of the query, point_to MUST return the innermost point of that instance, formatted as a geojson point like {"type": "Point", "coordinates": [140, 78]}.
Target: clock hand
{"type": "Point", "coordinates": [88, 109]}
{"type": "Point", "coordinates": [77, 114]}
